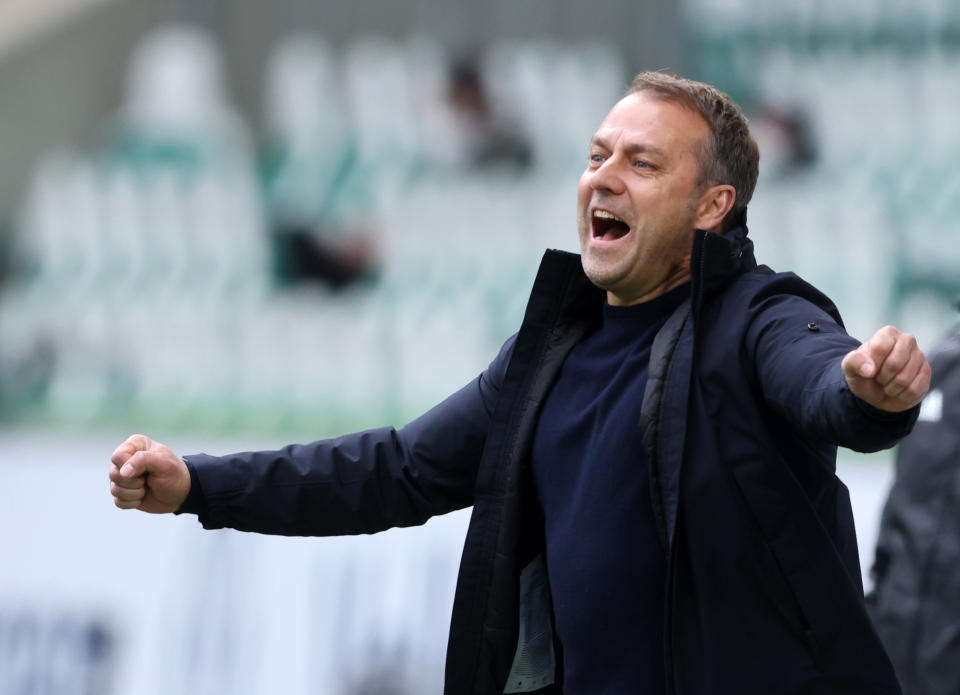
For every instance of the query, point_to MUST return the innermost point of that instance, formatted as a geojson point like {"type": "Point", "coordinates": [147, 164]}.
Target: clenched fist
{"type": "Point", "coordinates": [146, 475]}
{"type": "Point", "coordinates": [889, 371]}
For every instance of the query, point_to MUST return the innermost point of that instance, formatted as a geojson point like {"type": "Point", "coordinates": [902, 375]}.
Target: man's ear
{"type": "Point", "coordinates": [714, 204]}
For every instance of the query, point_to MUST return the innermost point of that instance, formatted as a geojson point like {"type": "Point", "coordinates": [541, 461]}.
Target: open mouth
{"type": "Point", "coordinates": [608, 227]}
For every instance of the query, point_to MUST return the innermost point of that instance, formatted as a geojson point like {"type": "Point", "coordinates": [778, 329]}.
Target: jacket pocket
{"type": "Point", "coordinates": [775, 586]}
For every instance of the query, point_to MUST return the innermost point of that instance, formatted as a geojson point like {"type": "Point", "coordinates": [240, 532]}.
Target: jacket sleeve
{"type": "Point", "coordinates": [359, 483]}
{"type": "Point", "coordinates": [796, 349]}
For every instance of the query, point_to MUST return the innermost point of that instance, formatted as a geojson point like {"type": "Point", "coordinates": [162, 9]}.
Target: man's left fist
{"type": "Point", "coordinates": [889, 371]}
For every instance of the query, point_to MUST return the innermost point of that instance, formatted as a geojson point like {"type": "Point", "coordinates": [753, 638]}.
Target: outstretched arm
{"type": "Point", "coordinates": [809, 370]}
{"type": "Point", "coordinates": [359, 483]}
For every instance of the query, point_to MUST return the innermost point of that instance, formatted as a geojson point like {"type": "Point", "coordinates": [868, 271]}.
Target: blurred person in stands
{"type": "Point", "coordinates": [319, 233]}
{"type": "Point", "coordinates": [487, 137]}
{"type": "Point", "coordinates": [915, 603]}
{"type": "Point", "coordinates": [650, 459]}
{"type": "Point", "coordinates": [785, 136]}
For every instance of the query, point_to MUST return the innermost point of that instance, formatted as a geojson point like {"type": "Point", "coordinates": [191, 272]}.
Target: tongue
{"type": "Point", "coordinates": [615, 231]}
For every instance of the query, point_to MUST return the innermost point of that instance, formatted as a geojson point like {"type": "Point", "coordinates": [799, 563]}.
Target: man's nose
{"type": "Point", "coordinates": [608, 177]}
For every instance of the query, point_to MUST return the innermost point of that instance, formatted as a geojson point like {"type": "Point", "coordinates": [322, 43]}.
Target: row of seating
{"type": "Point", "coordinates": [883, 20]}
{"type": "Point", "coordinates": [180, 321]}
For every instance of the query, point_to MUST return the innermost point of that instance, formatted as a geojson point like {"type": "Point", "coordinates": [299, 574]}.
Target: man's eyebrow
{"type": "Point", "coordinates": [630, 147]}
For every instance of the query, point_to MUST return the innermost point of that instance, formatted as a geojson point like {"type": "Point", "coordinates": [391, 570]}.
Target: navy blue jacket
{"type": "Point", "coordinates": [744, 408]}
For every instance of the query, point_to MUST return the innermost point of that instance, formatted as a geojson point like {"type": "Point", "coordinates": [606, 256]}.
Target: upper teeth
{"type": "Point", "coordinates": [603, 214]}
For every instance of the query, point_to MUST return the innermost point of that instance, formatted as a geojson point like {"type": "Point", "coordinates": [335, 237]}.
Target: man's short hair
{"type": "Point", "coordinates": [731, 155]}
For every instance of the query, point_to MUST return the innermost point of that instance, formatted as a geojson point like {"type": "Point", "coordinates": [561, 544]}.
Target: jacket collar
{"type": "Point", "coordinates": [715, 260]}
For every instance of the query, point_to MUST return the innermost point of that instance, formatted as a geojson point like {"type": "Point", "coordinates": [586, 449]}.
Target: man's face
{"type": "Point", "coordinates": [637, 199]}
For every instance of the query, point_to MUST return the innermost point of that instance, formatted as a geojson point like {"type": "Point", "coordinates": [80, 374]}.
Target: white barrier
{"type": "Point", "coordinates": [94, 600]}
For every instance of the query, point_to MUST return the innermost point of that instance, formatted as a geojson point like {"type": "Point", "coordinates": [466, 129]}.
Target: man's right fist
{"type": "Point", "coordinates": [146, 475]}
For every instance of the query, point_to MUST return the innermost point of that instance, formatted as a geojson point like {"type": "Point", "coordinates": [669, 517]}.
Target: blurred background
{"type": "Point", "coordinates": [233, 225]}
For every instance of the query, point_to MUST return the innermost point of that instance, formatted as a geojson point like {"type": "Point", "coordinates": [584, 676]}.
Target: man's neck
{"type": "Point", "coordinates": [680, 277]}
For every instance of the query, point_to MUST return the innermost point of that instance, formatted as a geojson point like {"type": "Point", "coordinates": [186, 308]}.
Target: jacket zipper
{"type": "Point", "coordinates": [695, 303]}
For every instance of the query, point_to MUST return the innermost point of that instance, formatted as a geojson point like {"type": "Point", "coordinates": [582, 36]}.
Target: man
{"type": "Point", "coordinates": [650, 459]}
{"type": "Point", "coordinates": [915, 603]}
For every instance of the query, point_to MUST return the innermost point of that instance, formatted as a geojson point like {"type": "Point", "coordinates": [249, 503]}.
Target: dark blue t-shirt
{"type": "Point", "coordinates": [605, 562]}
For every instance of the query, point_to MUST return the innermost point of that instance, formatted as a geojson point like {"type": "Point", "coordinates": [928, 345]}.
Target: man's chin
{"type": "Point", "coordinates": [603, 277]}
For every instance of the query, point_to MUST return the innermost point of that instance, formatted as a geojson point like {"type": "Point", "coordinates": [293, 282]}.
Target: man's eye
{"type": "Point", "coordinates": [642, 164]}
{"type": "Point", "coordinates": [596, 159]}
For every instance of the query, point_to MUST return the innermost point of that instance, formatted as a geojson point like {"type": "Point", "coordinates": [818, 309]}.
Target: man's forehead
{"type": "Point", "coordinates": [640, 119]}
